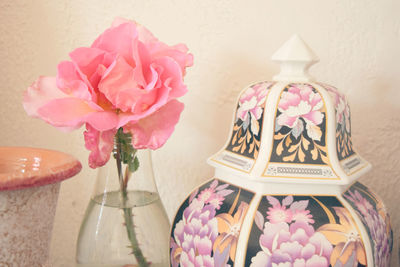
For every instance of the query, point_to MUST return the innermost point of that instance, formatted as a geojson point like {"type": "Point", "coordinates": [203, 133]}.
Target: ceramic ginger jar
{"type": "Point", "coordinates": [285, 190]}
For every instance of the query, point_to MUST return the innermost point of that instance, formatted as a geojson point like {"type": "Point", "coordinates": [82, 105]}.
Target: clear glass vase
{"type": "Point", "coordinates": [125, 223]}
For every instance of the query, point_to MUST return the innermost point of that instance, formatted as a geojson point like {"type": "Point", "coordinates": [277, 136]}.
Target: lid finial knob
{"type": "Point", "coordinates": [295, 58]}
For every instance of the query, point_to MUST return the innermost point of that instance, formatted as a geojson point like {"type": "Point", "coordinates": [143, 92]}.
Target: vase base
{"type": "Point", "coordinates": [103, 239]}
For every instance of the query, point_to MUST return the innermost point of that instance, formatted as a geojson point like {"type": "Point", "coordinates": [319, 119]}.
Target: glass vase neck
{"type": "Point", "coordinates": [137, 176]}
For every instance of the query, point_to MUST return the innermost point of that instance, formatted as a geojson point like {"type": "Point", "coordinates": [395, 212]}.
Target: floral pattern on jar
{"type": "Point", "coordinates": [206, 228]}
{"type": "Point", "coordinates": [373, 215]}
{"type": "Point", "coordinates": [344, 146]}
{"type": "Point", "coordinates": [246, 135]}
{"type": "Point", "coordinates": [300, 126]}
{"type": "Point", "coordinates": [304, 231]}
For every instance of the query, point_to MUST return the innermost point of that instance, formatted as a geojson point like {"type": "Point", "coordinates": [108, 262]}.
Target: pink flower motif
{"type": "Point", "coordinates": [300, 213]}
{"type": "Point", "coordinates": [379, 227]}
{"type": "Point", "coordinates": [303, 216]}
{"type": "Point", "coordinates": [251, 105]}
{"type": "Point", "coordinates": [292, 245]}
{"type": "Point", "coordinates": [341, 106]}
{"type": "Point", "coordinates": [362, 204]}
{"type": "Point", "coordinates": [216, 201]}
{"type": "Point", "coordinates": [288, 211]}
{"type": "Point", "coordinates": [214, 194]}
{"type": "Point", "coordinates": [195, 234]}
{"type": "Point", "coordinates": [209, 196]}
{"type": "Point", "coordinates": [279, 214]}
{"type": "Point", "coordinates": [300, 103]}
{"type": "Point", "coordinates": [125, 78]}
{"type": "Point", "coordinates": [192, 260]}
{"type": "Point", "coordinates": [206, 194]}
{"type": "Point", "coordinates": [251, 102]}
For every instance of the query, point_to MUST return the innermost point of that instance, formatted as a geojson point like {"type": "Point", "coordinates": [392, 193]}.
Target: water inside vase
{"type": "Point", "coordinates": [103, 237]}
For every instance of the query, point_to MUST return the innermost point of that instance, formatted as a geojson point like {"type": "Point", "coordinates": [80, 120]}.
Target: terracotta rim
{"type": "Point", "coordinates": [25, 167]}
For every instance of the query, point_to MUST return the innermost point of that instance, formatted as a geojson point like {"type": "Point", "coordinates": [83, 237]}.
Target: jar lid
{"type": "Point", "coordinates": [292, 129]}
{"type": "Point", "coordinates": [23, 167]}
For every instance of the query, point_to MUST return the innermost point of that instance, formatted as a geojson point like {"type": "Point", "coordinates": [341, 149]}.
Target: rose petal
{"type": "Point", "coordinates": [71, 81]}
{"type": "Point", "coordinates": [120, 40]}
{"type": "Point", "coordinates": [100, 144]}
{"type": "Point", "coordinates": [42, 91]}
{"type": "Point", "coordinates": [153, 131]}
{"type": "Point", "coordinates": [173, 71]}
{"type": "Point", "coordinates": [90, 59]}
{"type": "Point", "coordinates": [73, 112]}
{"type": "Point", "coordinates": [179, 53]}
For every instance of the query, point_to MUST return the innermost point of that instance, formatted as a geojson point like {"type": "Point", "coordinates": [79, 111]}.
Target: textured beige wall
{"type": "Point", "coordinates": [358, 43]}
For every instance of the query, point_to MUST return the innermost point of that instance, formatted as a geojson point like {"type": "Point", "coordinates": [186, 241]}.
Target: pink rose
{"type": "Point", "coordinates": [127, 78]}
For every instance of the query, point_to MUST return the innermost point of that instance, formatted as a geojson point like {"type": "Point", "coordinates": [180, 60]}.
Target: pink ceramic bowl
{"type": "Point", "coordinates": [23, 167]}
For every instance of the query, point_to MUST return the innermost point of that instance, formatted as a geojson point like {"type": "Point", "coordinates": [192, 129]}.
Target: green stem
{"type": "Point", "coordinates": [128, 216]}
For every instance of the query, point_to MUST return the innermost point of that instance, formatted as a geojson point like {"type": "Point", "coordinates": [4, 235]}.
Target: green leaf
{"type": "Point", "coordinates": [134, 165]}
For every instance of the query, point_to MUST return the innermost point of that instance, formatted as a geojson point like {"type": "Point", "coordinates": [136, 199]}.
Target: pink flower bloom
{"type": "Point", "coordinates": [216, 201]}
{"type": "Point", "coordinates": [303, 216]}
{"type": "Point", "coordinates": [251, 102]}
{"type": "Point", "coordinates": [125, 78]}
{"type": "Point", "coordinates": [378, 226]}
{"type": "Point", "coordinates": [214, 194]}
{"type": "Point", "coordinates": [206, 194]}
{"type": "Point", "coordinates": [279, 214]}
{"type": "Point", "coordinates": [192, 260]}
{"type": "Point", "coordinates": [292, 245]}
{"type": "Point", "coordinates": [301, 102]}
{"type": "Point", "coordinates": [288, 211]}
{"type": "Point", "coordinates": [194, 235]}
{"type": "Point", "coordinates": [362, 204]}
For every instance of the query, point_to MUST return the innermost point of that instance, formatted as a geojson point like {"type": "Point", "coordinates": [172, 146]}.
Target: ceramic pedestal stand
{"type": "Point", "coordinates": [29, 185]}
